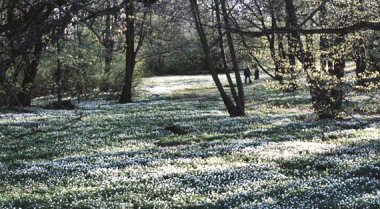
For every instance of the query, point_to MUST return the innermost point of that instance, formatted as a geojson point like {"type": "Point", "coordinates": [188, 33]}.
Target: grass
{"type": "Point", "coordinates": [121, 156]}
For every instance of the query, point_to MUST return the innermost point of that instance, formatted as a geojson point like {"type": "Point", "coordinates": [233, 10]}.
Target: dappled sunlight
{"type": "Point", "coordinates": [122, 155]}
{"type": "Point", "coordinates": [289, 149]}
{"type": "Point", "coordinates": [190, 104]}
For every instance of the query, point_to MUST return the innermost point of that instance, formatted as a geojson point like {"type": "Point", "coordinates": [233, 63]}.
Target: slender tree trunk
{"type": "Point", "coordinates": [278, 71]}
{"type": "Point", "coordinates": [240, 103]}
{"type": "Point", "coordinates": [3, 92]}
{"type": "Point", "coordinates": [7, 96]}
{"type": "Point", "coordinates": [3, 85]}
{"type": "Point", "coordinates": [360, 60]}
{"type": "Point", "coordinates": [272, 46]}
{"type": "Point", "coordinates": [323, 57]}
{"type": "Point", "coordinates": [361, 65]}
{"type": "Point", "coordinates": [80, 83]}
{"type": "Point", "coordinates": [109, 45]}
{"type": "Point", "coordinates": [292, 69]}
{"type": "Point", "coordinates": [108, 42]}
{"type": "Point", "coordinates": [337, 75]}
{"type": "Point", "coordinates": [323, 41]}
{"type": "Point", "coordinates": [231, 108]}
{"type": "Point", "coordinates": [292, 53]}
{"type": "Point", "coordinates": [223, 54]}
{"type": "Point", "coordinates": [60, 74]}
{"type": "Point", "coordinates": [126, 95]}
{"type": "Point", "coordinates": [108, 59]}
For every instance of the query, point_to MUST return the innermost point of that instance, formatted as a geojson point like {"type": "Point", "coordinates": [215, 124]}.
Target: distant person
{"type": "Point", "coordinates": [247, 75]}
{"type": "Point", "coordinates": [257, 72]}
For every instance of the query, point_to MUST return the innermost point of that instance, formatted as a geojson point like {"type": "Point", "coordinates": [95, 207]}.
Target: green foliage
{"type": "Point", "coordinates": [181, 60]}
{"type": "Point", "coordinates": [116, 77]}
{"type": "Point", "coordinates": [80, 62]}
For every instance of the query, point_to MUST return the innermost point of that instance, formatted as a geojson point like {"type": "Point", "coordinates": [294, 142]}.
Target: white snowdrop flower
{"type": "Point", "coordinates": [3, 167]}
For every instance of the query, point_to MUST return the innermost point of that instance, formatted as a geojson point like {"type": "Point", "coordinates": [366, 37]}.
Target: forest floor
{"type": "Point", "coordinates": [108, 155]}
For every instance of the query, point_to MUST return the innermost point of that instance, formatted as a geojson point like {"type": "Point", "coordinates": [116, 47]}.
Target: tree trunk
{"type": "Point", "coordinates": [3, 87]}
{"type": "Point", "coordinates": [292, 66]}
{"type": "Point", "coordinates": [30, 72]}
{"type": "Point", "coordinates": [278, 71]}
{"type": "Point", "coordinates": [292, 51]}
{"type": "Point", "coordinates": [80, 84]}
{"type": "Point", "coordinates": [108, 52]}
{"type": "Point", "coordinates": [240, 102]}
{"type": "Point", "coordinates": [126, 95]}
{"type": "Point", "coordinates": [323, 41]}
{"type": "Point", "coordinates": [108, 42]}
{"type": "Point", "coordinates": [327, 100]}
{"type": "Point", "coordinates": [278, 67]}
{"type": "Point", "coordinates": [231, 108]}
{"type": "Point", "coordinates": [323, 57]}
{"type": "Point", "coordinates": [223, 54]}
{"type": "Point", "coordinates": [360, 60]}
{"type": "Point", "coordinates": [361, 65]}
{"type": "Point", "coordinates": [108, 58]}
{"type": "Point", "coordinates": [60, 75]}
{"type": "Point", "coordinates": [3, 92]}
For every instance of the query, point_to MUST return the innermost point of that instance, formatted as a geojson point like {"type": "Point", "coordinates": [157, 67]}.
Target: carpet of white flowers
{"type": "Point", "coordinates": [108, 155]}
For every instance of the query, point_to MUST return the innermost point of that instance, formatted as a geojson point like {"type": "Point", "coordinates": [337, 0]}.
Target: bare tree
{"type": "Point", "coordinates": [234, 109]}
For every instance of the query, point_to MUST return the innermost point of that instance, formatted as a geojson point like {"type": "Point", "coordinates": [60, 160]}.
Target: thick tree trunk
{"type": "Point", "coordinates": [126, 95]}
{"type": "Point", "coordinates": [328, 99]}
{"type": "Point", "coordinates": [292, 54]}
{"type": "Point", "coordinates": [30, 72]}
{"type": "Point", "coordinates": [326, 95]}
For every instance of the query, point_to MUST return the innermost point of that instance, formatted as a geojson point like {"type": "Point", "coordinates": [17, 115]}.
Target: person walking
{"type": "Point", "coordinates": [247, 75]}
{"type": "Point", "coordinates": [257, 72]}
